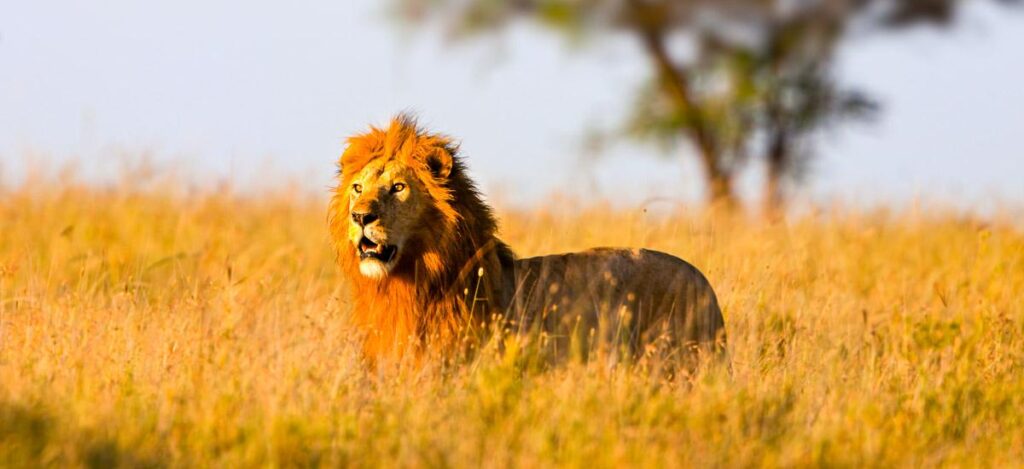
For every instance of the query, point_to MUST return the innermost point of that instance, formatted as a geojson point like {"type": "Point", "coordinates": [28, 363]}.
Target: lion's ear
{"type": "Point", "coordinates": [439, 161]}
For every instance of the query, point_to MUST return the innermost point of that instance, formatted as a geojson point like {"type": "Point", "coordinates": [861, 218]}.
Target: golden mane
{"type": "Point", "coordinates": [455, 273]}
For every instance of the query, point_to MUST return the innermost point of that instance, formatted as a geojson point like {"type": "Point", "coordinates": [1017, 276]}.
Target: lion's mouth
{"type": "Point", "coordinates": [371, 250]}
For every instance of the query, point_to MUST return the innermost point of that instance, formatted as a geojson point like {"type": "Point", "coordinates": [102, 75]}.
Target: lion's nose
{"type": "Point", "coordinates": [364, 218]}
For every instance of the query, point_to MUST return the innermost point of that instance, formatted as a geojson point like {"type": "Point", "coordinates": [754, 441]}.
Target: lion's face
{"type": "Point", "coordinates": [386, 203]}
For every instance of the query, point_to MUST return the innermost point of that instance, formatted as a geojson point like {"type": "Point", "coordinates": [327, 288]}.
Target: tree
{"type": "Point", "coordinates": [760, 79]}
{"type": "Point", "coordinates": [788, 69]}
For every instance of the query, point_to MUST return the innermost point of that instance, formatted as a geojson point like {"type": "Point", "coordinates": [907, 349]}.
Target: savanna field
{"type": "Point", "coordinates": [154, 326]}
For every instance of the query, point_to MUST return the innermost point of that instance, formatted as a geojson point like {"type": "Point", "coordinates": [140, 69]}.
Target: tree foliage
{"type": "Point", "coordinates": [758, 79]}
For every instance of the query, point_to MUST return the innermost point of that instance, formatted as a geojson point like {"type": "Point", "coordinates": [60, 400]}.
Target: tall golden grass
{"type": "Point", "coordinates": [153, 327]}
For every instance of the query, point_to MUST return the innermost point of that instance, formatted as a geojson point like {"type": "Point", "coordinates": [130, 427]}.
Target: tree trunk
{"type": "Point", "coordinates": [719, 180]}
{"type": "Point", "coordinates": [719, 186]}
{"type": "Point", "coordinates": [721, 193]}
{"type": "Point", "coordinates": [778, 162]}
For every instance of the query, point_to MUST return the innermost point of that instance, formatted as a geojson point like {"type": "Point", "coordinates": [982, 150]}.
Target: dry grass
{"type": "Point", "coordinates": [153, 328]}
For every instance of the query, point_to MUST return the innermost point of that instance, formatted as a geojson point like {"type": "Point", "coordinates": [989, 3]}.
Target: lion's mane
{"type": "Point", "coordinates": [454, 273]}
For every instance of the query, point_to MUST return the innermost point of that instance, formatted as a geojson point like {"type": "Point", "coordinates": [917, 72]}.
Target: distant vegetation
{"type": "Point", "coordinates": [732, 80]}
{"type": "Point", "coordinates": [152, 327]}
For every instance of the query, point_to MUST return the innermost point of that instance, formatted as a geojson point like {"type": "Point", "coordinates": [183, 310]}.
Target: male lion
{"type": "Point", "coordinates": [418, 246]}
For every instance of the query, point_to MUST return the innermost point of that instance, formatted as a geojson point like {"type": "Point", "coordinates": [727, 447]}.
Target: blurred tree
{"type": "Point", "coordinates": [757, 78]}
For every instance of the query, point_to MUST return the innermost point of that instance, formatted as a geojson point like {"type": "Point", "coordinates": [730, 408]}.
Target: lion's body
{"type": "Point", "coordinates": [638, 299]}
{"type": "Point", "coordinates": [427, 272]}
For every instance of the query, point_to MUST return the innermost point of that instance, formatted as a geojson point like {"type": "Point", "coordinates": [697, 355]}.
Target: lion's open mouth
{"type": "Point", "coordinates": [371, 250]}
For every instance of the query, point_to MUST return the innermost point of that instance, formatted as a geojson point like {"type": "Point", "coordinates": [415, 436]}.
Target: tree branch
{"type": "Point", "coordinates": [677, 85]}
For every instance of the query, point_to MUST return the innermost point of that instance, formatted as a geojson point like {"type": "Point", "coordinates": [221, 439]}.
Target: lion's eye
{"type": "Point", "coordinates": [358, 188]}
{"type": "Point", "coordinates": [398, 187]}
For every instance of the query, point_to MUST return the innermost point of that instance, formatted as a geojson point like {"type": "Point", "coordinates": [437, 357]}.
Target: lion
{"type": "Point", "coordinates": [427, 273]}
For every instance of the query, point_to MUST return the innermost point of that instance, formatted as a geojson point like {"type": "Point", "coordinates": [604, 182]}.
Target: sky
{"type": "Point", "coordinates": [257, 92]}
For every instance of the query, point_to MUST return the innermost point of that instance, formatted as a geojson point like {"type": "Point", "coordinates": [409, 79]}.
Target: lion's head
{"type": "Point", "coordinates": [394, 199]}
{"type": "Point", "coordinates": [385, 201]}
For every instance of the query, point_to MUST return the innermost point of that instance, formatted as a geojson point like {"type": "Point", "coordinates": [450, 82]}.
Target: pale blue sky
{"type": "Point", "coordinates": [248, 91]}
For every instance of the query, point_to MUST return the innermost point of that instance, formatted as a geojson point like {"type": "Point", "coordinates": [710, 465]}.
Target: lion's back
{"type": "Point", "coordinates": [634, 296]}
